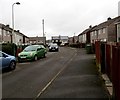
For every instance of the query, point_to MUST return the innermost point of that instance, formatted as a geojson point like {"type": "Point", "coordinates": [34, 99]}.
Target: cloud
{"type": "Point", "coordinates": [62, 17]}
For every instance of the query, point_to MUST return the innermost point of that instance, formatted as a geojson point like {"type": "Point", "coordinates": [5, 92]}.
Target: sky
{"type": "Point", "coordinates": [61, 17]}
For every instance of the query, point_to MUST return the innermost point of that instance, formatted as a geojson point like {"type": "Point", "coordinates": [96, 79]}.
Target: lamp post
{"type": "Point", "coordinates": [43, 26]}
{"type": "Point", "coordinates": [13, 20]}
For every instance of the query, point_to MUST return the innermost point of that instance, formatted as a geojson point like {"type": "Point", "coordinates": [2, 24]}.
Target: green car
{"type": "Point", "coordinates": [32, 52]}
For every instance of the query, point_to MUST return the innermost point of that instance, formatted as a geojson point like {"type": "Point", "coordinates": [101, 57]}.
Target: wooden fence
{"type": "Point", "coordinates": [108, 61]}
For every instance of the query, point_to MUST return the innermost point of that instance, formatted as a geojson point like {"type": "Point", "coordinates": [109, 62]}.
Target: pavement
{"type": "Point", "coordinates": [108, 84]}
{"type": "Point", "coordinates": [80, 79]}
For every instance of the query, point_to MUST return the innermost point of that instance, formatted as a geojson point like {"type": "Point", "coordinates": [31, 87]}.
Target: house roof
{"type": "Point", "coordinates": [37, 38]}
{"type": "Point", "coordinates": [6, 27]}
{"type": "Point", "coordinates": [107, 23]}
{"type": "Point", "coordinates": [17, 31]}
{"type": "Point", "coordinates": [87, 30]}
{"type": "Point", "coordinates": [63, 37]}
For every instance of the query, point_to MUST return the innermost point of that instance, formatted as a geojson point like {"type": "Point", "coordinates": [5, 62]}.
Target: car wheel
{"type": "Point", "coordinates": [35, 57]}
{"type": "Point", "coordinates": [12, 65]}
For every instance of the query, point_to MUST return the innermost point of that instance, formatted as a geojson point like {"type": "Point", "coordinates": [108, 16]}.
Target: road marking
{"type": "Point", "coordinates": [51, 81]}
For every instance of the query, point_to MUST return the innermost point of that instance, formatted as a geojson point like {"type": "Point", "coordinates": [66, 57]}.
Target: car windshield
{"type": "Point", "coordinates": [30, 48]}
{"type": "Point", "coordinates": [53, 44]}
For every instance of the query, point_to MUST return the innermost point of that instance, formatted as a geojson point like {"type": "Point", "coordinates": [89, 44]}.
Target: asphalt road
{"type": "Point", "coordinates": [69, 73]}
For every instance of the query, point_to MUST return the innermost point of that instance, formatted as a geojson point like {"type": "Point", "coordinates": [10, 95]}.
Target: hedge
{"type": "Point", "coordinates": [9, 48]}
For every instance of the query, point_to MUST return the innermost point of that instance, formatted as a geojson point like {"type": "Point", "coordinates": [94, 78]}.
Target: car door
{"type": "Point", "coordinates": [0, 60]}
{"type": "Point", "coordinates": [39, 52]}
{"type": "Point", "coordinates": [5, 60]}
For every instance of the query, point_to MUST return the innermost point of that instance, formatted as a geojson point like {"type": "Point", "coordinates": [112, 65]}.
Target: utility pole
{"type": "Point", "coordinates": [43, 26]}
{"type": "Point", "coordinates": [119, 8]}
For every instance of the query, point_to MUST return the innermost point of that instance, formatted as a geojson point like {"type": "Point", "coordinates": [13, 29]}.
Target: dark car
{"type": "Point", "coordinates": [53, 47]}
{"type": "Point", "coordinates": [7, 61]}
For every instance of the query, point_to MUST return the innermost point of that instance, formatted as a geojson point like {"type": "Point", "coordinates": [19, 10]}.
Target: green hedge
{"type": "Point", "coordinates": [9, 48]}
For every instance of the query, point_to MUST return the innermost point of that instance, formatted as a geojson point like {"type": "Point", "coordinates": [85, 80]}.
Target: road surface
{"type": "Point", "coordinates": [69, 73]}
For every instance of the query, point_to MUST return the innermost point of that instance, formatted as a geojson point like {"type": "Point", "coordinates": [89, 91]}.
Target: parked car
{"type": "Point", "coordinates": [53, 47]}
{"type": "Point", "coordinates": [7, 61]}
{"type": "Point", "coordinates": [32, 52]}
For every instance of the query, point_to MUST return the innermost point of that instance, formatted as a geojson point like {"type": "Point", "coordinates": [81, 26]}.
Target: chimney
{"type": "Point", "coordinates": [18, 31]}
{"type": "Point", "coordinates": [90, 26]}
{"type": "Point", "coordinates": [7, 25]}
{"type": "Point", "coordinates": [109, 18]}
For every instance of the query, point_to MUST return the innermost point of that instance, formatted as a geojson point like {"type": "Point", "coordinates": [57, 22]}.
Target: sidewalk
{"type": "Point", "coordinates": [108, 83]}
{"type": "Point", "coordinates": [80, 79]}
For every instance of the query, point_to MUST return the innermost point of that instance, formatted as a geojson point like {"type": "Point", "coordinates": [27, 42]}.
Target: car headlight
{"type": "Point", "coordinates": [31, 54]}
{"type": "Point", "coordinates": [19, 54]}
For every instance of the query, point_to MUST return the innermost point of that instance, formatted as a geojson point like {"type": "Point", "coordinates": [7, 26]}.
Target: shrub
{"type": "Point", "coordinates": [75, 45]}
{"type": "Point", "coordinates": [9, 48]}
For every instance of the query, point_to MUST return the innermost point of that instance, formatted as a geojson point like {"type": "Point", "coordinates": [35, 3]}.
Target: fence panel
{"type": "Point", "coordinates": [108, 60]}
{"type": "Point", "coordinates": [115, 71]}
{"type": "Point", "coordinates": [119, 73]}
{"type": "Point", "coordinates": [102, 57]}
{"type": "Point", "coordinates": [97, 52]}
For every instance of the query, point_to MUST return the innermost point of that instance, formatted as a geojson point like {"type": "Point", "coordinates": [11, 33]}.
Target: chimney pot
{"type": "Point", "coordinates": [109, 18]}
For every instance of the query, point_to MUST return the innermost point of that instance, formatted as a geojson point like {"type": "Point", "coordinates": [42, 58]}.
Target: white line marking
{"type": "Point", "coordinates": [51, 81]}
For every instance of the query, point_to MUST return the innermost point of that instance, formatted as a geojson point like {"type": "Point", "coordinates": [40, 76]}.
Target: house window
{"type": "Point", "coordinates": [4, 33]}
{"type": "Point", "coordinates": [104, 30]}
{"type": "Point", "coordinates": [99, 32]}
{"type": "Point", "coordinates": [92, 33]}
{"type": "Point", "coordinates": [118, 33]}
{"type": "Point", "coordinates": [35, 41]}
{"type": "Point", "coordinates": [95, 33]}
{"type": "Point", "coordinates": [7, 33]}
{"type": "Point", "coordinates": [0, 31]}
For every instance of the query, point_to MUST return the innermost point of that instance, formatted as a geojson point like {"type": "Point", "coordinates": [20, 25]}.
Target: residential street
{"type": "Point", "coordinates": [69, 73]}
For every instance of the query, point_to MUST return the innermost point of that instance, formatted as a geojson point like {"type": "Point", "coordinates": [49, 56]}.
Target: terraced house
{"type": "Point", "coordinates": [84, 37]}
{"type": "Point", "coordinates": [118, 31]}
{"type": "Point", "coordinates": [106, 31]}
{"type": "Point", "coordinates": [6, 36]}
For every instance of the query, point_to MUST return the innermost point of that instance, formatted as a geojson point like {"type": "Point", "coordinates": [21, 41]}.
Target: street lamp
{"type": "Point", "coordinates": [43, 26]}
{"type": "Point", "coordinates": [13, 19]}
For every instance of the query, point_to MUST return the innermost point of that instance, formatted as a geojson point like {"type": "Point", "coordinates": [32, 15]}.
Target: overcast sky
{"type": "Point", "coordinates": [62, 17]}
